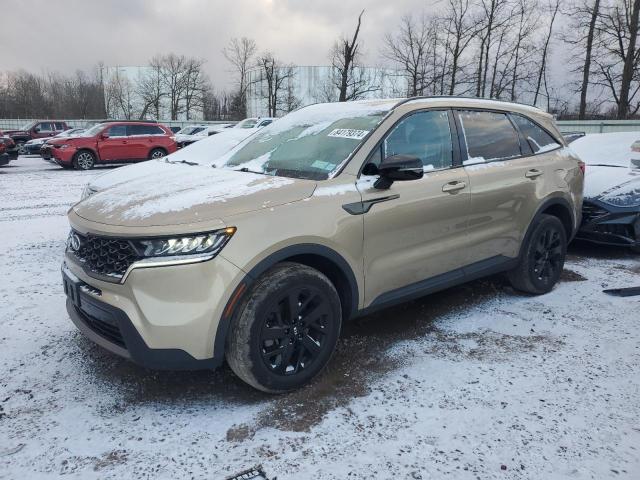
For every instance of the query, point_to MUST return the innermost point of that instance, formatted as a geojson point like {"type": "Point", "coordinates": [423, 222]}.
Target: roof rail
{"type": "Point", "coordinates": [427, 97]}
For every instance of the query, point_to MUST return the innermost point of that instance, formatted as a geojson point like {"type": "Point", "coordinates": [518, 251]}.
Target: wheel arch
{"type": "Point", "coordinates": [320, 257]}
{"type": "Point", "coordinates": [88, 149]}
{"type": "Point", "coordinates": [561, 208]}
{"type": "Point", "coordinates": [558, 207]}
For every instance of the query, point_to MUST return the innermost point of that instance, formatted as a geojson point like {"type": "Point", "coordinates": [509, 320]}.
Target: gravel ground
{"type": "Point", "coordinates": [474, 382]}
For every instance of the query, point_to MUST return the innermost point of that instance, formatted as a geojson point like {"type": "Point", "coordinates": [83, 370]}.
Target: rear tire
{"type": "Point", "coordinates": [157, 153]}
{"type": "Point", "coordinates": [84, 160]}
{"type": "Point", "coordinates": [20, 148]}
{"type": "Point", "coordinates": [542, 257]}
{"type": "Point", "coordinates": [285, 329]}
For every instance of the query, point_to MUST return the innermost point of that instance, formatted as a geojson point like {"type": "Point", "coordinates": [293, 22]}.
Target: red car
{"type": "Point", "coordinates": [113, 142]}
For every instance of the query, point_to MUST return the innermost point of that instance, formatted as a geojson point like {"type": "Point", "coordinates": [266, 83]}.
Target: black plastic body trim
{"type": "Point", "coordinates": [443, 281]}
{"type": "Point", "coordinates": [279, 256]}
{"type": "Point", "coordinates": [360, 208]}
{"type": "Point", "coordinates": [135, 349]}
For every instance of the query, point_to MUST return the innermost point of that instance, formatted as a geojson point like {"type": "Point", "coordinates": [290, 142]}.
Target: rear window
{"type": "Point", "coordinates": [537, 138]}
{"type": "Point", "coordinates": [145, 130]}
{"type": "Point", "coordinates": [489, 136]}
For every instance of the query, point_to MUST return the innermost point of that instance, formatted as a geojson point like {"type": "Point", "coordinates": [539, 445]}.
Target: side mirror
{"type": "Point", "coordinates": [36, 129]}
{"type": "Point", "coordinates": [104, 136]}
{"type": "Point", "coordinates": [396, 168]}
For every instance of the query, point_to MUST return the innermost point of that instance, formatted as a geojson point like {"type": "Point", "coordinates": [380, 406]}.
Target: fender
{"type": "Point", "coordinates": [286, 253]}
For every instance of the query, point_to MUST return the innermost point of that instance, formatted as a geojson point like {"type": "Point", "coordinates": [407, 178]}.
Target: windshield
{"type": "Point", "coordinates": [27, 126]}
{"type": "Point", "coordinates": [93, 131]}
{"type": "Point", "coordinates": [190, 130]}
{"type": "Point", "coordinates": [247, 123]}
{"type": "Point", "coordinates": [311, 142]}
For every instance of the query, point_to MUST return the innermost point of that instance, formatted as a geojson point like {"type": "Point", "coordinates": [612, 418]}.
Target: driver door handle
{"type": "Point", "coordinates": [533, 173]}
{"type": "Point", "coordinates": [453, 187]}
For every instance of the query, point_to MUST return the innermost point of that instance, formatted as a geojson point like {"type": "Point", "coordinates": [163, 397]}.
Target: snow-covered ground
{"type": "Point", "coordinates": [474, 382]}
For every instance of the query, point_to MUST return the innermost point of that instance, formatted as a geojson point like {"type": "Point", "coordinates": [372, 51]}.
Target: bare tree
{"type": "Point", "coordinates": [195, 83]}
{"type": "Point", "coordinates": [527, 22]}
{"type": "Point", "coordinates": [273, 79]}
{"type": "Point", "coordinates": [462, 31]}
{"type": "Point", "coordinates": [619, 56]}
{"type": "Point", "coordinates": [351, 80]}
{"type": "Point", "coordinates": [240, 53]}
{"type": "Point", "coordinates": [409, 48]}
{"type": "Point", "coordinates": [150, 88]}
{"type": "Point", "coordinates": [553, 8]}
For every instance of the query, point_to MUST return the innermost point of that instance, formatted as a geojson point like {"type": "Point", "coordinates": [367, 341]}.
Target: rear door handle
{"type": "Point", "coordinates": [453, 187]}
{"type": "Point", "coordinates": [533, 173]}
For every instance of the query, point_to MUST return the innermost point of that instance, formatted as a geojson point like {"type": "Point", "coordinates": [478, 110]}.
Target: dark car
{"type": "Point", "coordinates": [113, 142]}
{"type": "Point", "coordinates": [34, 147]}
{"type": "Point", "coordinates": [4, 156]}
{"type": "Point", "coordinates": [33, 130]}
{"type": "Point", "coordinates": [611, 208]}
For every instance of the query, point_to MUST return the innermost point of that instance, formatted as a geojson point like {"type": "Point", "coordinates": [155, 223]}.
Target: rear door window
{"type": "Point", "coordinates": [145, 130]}
{"type": "Point", "coordinates": [489, 136]}
{"type": "Point", "coordinates": [538, 139]}
{"type": "Point", "coordinates": [60, 127]}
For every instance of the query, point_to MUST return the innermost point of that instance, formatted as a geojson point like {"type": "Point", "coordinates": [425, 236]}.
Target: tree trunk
{"type": "Point", "coordinates": [587, 61]}
{"type": "Point", "coordinates": [629, 62]}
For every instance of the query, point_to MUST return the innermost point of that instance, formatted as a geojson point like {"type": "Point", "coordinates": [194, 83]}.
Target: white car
{"type": "Point", "coordinates": [194, 133]}
{"type": "Point", "coordinates": [255, 122]}
{"type": "Point", "coordinates": [205, 153]}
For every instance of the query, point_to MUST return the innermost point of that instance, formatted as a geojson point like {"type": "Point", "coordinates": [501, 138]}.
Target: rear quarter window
{"type": "Point", "coordinates": [489, 136]}
{"type": "Point", "coordinates": [538, 139]}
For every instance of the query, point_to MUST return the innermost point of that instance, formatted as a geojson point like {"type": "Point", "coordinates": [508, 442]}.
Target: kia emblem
{"type": "Point", "coordinates": [74, 242]}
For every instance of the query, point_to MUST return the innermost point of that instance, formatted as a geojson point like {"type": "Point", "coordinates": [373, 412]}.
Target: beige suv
{"type": "Point", "coordinates": [329, 213]}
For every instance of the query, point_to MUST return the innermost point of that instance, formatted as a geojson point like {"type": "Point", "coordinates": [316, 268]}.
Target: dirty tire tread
{"type": "Point", "coordinates": [238, 348]}
{"type": "Point", "coordinates": [520, 277]}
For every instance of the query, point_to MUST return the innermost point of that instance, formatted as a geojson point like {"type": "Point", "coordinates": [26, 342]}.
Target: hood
{"type": "Point", "coordinates": [15, 132]}
{"type": "Point", "coordinates": [602, 181]}
{"type": "Point", "coordinates": [63, 140]}
{"type": "Point", "coordinates": [176, 194]}
{"type": "Point", "coordinates": [205, 152]}
{"type": "Point", "coordinates": [610, 149]}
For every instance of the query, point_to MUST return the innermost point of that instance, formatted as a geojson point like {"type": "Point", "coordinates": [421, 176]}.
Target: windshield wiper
{"type": "Point", "coordinates": [245, 169]}
{"type": "Point", "coordinates": [182, 161]}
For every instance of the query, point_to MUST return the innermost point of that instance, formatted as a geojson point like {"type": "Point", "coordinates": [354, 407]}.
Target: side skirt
{"type": "Point", "coordinates": [484, 268]}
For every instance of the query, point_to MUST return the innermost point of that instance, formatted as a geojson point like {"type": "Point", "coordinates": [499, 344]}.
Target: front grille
{"type": "Point", "coordinates": [592, 212]}
{"type": "Point", "coordinates": [104, 329]}
{"type": "Point", "coordinates": [106, 256]}
{"type": "Point", "coordinates": [621, 230]}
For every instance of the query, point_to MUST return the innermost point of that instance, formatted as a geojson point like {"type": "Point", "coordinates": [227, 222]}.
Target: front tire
{"type": "Point", "coordinates": [84, 160]}
{"type": "Point", "coordinates": [285, 329]}
{"type": "Point", "coordinates": [21, 148]}
{"type": "Point", "coordinates": [542, 257]}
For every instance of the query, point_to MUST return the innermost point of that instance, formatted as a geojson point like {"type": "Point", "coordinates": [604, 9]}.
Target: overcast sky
{"type": "Point", "coordinates": [62, 35]}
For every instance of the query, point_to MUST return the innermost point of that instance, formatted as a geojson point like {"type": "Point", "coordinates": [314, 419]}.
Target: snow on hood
{"type": "Point", "coordinates": [607, 148]}
{"type": "Point", "coordinates": [204, 152]}
{"type": "Point", "coordinates": [612, 166]}
{"type": "Point", "coordinates": [176, 195]}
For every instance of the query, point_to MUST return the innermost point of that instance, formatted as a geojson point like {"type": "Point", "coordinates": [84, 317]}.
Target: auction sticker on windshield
{"type": "Point", "coordinates": [348, 133]}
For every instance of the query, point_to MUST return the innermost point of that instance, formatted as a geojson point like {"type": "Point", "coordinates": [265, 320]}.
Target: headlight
{"type": "Point", "coordinates": [623, 196]}
{"type": "Point", "coordinates": [198, 245]}
{"type": "Point", "coordinates": [87, 192]}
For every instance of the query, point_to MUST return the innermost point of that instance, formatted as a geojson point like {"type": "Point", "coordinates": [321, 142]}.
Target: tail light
{"type": "Point", "coordinates": [583, 166]}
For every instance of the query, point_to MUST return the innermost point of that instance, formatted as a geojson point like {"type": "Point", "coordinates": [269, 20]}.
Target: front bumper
{"type": "Point", "coordinates": [33, 149]}
{"type": "Point", "coordinates": [609, 225]}
{"type": "Point", "coordinates": [161, 317]}
{"type": "Point", "coordinates": [63, 155]}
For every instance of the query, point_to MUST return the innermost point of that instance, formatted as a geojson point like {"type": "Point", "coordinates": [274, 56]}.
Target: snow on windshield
{"type": "Point", "coordinates": [311, 142]}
